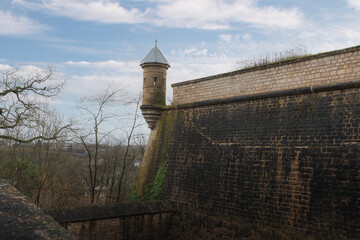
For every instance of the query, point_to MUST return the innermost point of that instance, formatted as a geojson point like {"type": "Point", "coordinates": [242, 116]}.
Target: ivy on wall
{"type": "Point", "coordinates": [153, 189]}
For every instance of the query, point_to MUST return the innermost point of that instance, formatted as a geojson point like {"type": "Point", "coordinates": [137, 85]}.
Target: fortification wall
{"type": "Point", "coordinates": [326, 68]}
{"type": "Point", "coordinates": [288, 160]}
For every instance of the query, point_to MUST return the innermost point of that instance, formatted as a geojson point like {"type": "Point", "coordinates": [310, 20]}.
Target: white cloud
{"type": "Point", "coordinates": [18, 25]}
{"type": "Point", "coordinates": [354, 3]}
{"type": "Point", "coordinates": [228, 38]}
{"type": "Point", "coordinates": [28, 71]}
{"type": "Point", "coordinates": [188, 67]}
{"type": "Point", "coordinates": [103, 11]}
{"type": "Point", "coordinates": [91, 77]}
{"type": "Point", "coordinates": [203, 14]}
{"type": "Point", "coordinates": [112, 65]}
{"type": "Point", "coordinates": [246, 36]}
{"type": "Point", "coordinates": [190, 52]}
{"type": "Point", "coordinates": [225, 37]}
{"type": "Point", "coordinates": [5, 67]}
{"type": "Point", "coordinates": [89, 85]}
{"type": "Point", "coordinates": [216, 14]}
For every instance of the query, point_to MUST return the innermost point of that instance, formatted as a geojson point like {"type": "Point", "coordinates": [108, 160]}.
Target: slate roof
{"type": "Point", "coordinates": [155, 56]}
{"type": "Point", "coordinates": [21, 219]}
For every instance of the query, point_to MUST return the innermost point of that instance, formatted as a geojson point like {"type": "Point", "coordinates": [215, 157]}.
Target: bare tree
{"type": "Point", "coordinates": [30, 166]}
{"type": "Point", "coordinates": [25, 117]}
{"type": "Point", "coordinates": [23, 103]}
{"type": "Point", "coordinates": [129, 154]}
{"type": "Point", "coordinates": [95, 109]}
{"type": "Point", "coordinates": [120, 173]}
{"type": "Point", "coordinates": [47, 153]}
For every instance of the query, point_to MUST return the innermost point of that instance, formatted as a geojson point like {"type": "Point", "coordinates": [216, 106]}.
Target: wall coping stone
{"type": "Point", "coordinates": [112, 211]}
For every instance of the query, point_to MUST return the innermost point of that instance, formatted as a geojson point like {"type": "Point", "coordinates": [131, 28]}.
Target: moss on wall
{"type": "Point", "coordinates": [151, 163]}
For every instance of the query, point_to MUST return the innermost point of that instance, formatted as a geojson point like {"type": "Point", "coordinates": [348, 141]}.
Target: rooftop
{"type": "Point", "coordinates": [155, 56]}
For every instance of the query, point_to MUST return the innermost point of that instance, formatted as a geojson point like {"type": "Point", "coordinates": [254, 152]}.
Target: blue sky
{"type": "Point", "coordinates": [94, 43]}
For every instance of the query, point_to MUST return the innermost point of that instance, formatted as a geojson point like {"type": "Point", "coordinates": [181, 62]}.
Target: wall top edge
{"type": "Point", "coordinates": [112, 211]}
{"type": "Point", "coordinates": [287, 92]}
{"type": "Point", "coordinates": [270, 65]}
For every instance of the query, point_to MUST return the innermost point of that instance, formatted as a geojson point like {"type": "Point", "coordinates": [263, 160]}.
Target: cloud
{"type": "Point", "coordinates": [225, 37]}
{"type": "Point", "coordinates": [88, 85]}
{"type": "Point", "coordinates": [354, 3]}
{"type": "Point", "coordinates": [27, 71]}
{"type": "Point", "coordinates": [216, 14]}
{"type": "Point", "coordinates": [187, 67]}
{"type": "Point", "coordinates": [200, 14]}
{"type": "Point", "coordinates": [228, 38]}
{"type": "Point", "coordinates": [4, 67]}
{"type": "Point", "coordinates": [190, 52]}
{"type": "Point", "coordinates": [103, 11]}
{"type": "Point", "coordinates": [335, 36]}
{"type": "Point", "coordinates": [246, 36]}
{"type": "Point", "coordinates": [18, 25]}
{"type": "Point", "coordinates": [112, 65]}
{"type": "Point", "coordinates": [88, 78]}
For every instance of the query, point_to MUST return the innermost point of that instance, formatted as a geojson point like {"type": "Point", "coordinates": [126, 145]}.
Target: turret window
{"type": "Point", "coordinates": [155, 80]}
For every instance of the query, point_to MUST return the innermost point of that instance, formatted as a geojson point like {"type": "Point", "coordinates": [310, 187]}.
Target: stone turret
{"type": "Point", "coordinates": [155, 66]}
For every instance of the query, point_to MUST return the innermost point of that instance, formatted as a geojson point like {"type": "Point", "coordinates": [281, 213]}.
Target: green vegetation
{"type": "Point", "coordinates": [153, 189]}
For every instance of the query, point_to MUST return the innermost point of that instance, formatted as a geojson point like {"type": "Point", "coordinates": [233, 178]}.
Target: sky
{"type": "Point", "coordinates": [97, 43]}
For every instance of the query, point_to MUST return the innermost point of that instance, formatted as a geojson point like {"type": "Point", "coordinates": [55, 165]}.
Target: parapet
{"type": "Point", "coordinates": [310, 71]}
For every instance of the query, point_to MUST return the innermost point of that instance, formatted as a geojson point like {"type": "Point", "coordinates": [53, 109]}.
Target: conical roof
{"type": "Point", "coordinates": [155, 56]}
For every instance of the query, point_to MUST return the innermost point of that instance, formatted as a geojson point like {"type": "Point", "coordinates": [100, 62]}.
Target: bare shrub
{"type": "Point", "coordinates": [261, 60]}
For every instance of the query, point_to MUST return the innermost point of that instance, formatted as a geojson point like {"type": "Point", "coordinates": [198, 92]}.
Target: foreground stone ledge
{"type": "Point", "coordinates": [112, 211]}
{"type": "Point", "coordinates": [21, 219]}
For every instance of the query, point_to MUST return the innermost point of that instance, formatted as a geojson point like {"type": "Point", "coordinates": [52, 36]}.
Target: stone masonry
{"type": "Point", "coordinates": [289, 163]}
{"type": "Point", "coordinates": [277, 146]}
{"type": "Point", "coordinates": [326, 68]}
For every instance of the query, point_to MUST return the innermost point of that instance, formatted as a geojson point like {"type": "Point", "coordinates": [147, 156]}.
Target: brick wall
{"type": "Point", "coordinates": [326, 68]}
{"type": "Point", "coordinates": [146, 220]}
{"type": "Point", "coordinates": [287, 160]}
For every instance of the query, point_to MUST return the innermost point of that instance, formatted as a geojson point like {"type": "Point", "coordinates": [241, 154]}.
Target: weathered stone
{"type": "Point", "coordinates": [21, 219]}
{"type": "Point", "coordinates": [154, 86]}
{"type": "Point", "coordinates": [287, 160]}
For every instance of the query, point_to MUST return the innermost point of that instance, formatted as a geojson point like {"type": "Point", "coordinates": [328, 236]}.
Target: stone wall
{"type": "Point", "coordinates": [322, 69]}
{"type": "Point", "coordinates": [146, 220]}
{"type": "Point", "coordinates": [288, 160]}
{"type": "Point", "coordinates": [21, 219]}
